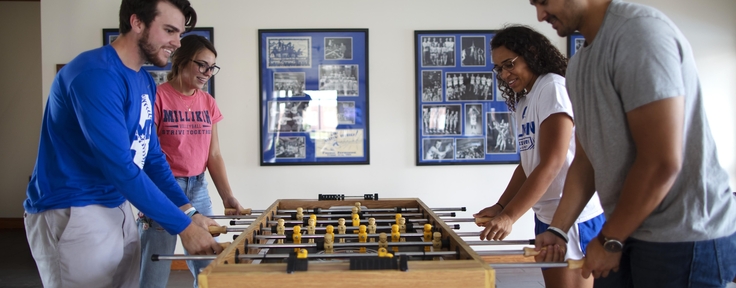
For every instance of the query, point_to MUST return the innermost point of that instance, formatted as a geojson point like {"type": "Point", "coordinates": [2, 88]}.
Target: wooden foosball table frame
{"type": "Point", "coordinates": [467, 270]}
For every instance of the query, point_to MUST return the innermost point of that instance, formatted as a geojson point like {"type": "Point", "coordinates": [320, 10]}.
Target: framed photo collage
{"type": "Point", "coordinates": [313, 96]}
{"type": "Point", "coordinates": [461, 117]}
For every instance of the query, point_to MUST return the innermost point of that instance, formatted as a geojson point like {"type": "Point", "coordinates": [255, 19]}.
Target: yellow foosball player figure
{"type": "Point", "coordinates": [358, 205]}
{"type": "Point", "coordinates": [372, 228]}
{"type": "Point", "coordinates": [302, 254]}
{"type": "Point", "coordinates": [398, 217]}
{"type": "Point", "coordinates": [330, 230]}
{"type": "Point", "coordinates": [355, 212]}
{"type": "Point", "coordinates": [383, 253]}
{"type": "Point", "coordinates": [427, 236]}
{"type": "Point", "coordinates": [341, 228]}
{"type": "Point", "coordinates": [382, 241]}
{"type": "Point", "coordinates": [362, 237]}
{"type": "Point", "coordinates": [329, 239]}
{"type": "Point", "coordinates": [356, 220]}
{"type": "Point", "coordinates": [402, 225]}
{"type": "Point", "coordinates": [280, 229]}
{"type": "Point", "coordinates": [297, 237]}
{"type": "Point", "coordinates": [299, 214]}
{"type": "Point", "coordinates": [311, 229]}
{"type": "Point", "coordinates": [395, 236]}
{"type": "Point", "coordinates": [437, 243]}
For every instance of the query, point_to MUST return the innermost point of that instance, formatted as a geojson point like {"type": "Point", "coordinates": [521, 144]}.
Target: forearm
{"type": "Point", "coordinates": [645, 187]}
{"type": "Point", "coordinates": [216, 166]}
{"type": "Point", "coordinates": [532, 190]}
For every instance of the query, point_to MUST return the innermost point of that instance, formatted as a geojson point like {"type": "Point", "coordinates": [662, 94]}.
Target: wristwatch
{"type": "Point", "coordinates": [610, 245]}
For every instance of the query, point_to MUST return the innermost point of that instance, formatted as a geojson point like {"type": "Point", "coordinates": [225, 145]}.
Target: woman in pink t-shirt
{"type": "Point", "coordinates": [186, 124]}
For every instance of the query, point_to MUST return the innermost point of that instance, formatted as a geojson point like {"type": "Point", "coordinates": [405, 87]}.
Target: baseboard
{"type": "Point", "coordinates": [179, 265]}
{"type": "Point", "coordinates": [12, 223]}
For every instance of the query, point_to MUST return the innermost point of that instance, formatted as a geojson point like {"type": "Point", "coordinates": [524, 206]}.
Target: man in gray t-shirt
{"type": "Point", "coordinates": [645, 145]}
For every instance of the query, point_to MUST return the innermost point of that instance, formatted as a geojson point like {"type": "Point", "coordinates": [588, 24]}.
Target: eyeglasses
{"type": "Point", "coordinates": [203, 68]}
{"type": "Point", "coordinates": [506, 65]}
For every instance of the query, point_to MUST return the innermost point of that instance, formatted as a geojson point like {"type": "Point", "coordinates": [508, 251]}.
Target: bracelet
{"type": "Point", "coordinates": [558, 232]}
{"type": "Point", "coordinates": [190, 212]}
{"type": "Point", "coordinates": [499, 204]}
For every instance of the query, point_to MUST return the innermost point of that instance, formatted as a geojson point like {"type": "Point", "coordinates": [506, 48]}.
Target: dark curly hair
{"type": "Point", "coordinates": [146, 10]}
{"type": "Point", "coordinates": [540, 55]}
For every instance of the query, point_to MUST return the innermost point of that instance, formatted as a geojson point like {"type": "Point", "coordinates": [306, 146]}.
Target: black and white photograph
{"type": "Point", "coordinates": [112, 38]}
{"type": "Point", "coordinates": [469, 86]}
{"type": "Point", "coordinates": [579, 42]}
{"type": "Point", "coordinates": [338, 48]}
{"type": "Point", "coordinates": [438, 148]}
{"type": "Point", "coordinates": [340, 78]}
{"type": "Point", "coordinates": [438, 51]}
{"type": "Point", "coordinates": [500, 134]}
{"type": "Point", "coordinates": [291, 147]}
{"type": "Point", "coordinates": [289, 52]}
{"type": "Point", "coordinates": [441, 119]}
{"type": "Point", "coordinates": [287, 116]}
{"type": "Point", "coordinates": [432, 86]}
{"type": "Point", "coordinates": [159, 76]}
{"type": "Point", "coordinates": [474, 51]}
{"type": "Point", "coordinates": [345, 112]}
{"type": "Point", "coordinates": [288, 84]}
{"type": "Point", "coordinates": [470, 149]}
{"type": "Point", "coordinates": [473, 119]}
{"type": "Point", "coordinates": [497, 88]}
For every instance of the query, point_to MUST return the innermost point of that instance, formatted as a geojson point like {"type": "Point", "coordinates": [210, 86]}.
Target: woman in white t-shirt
{"type": "Point", "coordinates": [531, 73]}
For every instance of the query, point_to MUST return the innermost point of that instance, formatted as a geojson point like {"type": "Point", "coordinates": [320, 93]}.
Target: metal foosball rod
{"type": "Point", "coordinates": [571, 264]}
{"type": "Point", "coordinates": [526, 251]}
{"type": "Point", "coordinates": [365, 215]}
{"type": "Point", "coordinates": [234, 217]}
{"type": "Point", "coordinates": [335, 222]}
{"type": "Point", "coordinates": [320, 236]}
{"type": "Point", "coordinates": [454, 220]}
{"type": "Point", "coordinates": [501, 242]}
{"type": "Point", "coordinates": [388, 210]}
{"type": "Point", "coordinates": [338, 245]}
{"type": "Point", "coordinates": [348, 228]}
{"type": "Point", "coordinates": [156, 257]}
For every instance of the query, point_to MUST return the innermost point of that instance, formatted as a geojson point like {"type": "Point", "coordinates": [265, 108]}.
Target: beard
{"type": "Point", "coordinates": [148, 52]}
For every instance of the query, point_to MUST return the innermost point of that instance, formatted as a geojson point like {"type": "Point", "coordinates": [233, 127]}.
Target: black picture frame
{"type": "Point", "coordinates": [313, 96]}
{"type": "Point", "coordinates": [574, 42]}
{"type": "Point", "coordinates": [159, 73]}
{"type": "Point", "coordinates": [461, 117]}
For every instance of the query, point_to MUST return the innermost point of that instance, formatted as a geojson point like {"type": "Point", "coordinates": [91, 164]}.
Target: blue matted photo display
{"type": "Point", "coordinates": [460, 115]}
{"type": "Point", "coordinates": [313, 96]}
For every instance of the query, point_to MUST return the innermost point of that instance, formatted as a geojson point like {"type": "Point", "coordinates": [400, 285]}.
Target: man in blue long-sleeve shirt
{"type": "Point", "coordinates": [99, 153]}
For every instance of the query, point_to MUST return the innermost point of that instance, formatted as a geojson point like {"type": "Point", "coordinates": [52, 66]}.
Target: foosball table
{"type": "Point", "coordinates": [364, 242]}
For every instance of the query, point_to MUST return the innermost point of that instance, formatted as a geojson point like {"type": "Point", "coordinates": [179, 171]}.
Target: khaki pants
{"type": "Point", "coordinates": [90, 246]}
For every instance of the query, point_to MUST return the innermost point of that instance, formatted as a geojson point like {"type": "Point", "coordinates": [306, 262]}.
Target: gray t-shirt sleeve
{"type": "Point", "coordinates": [648, 64]}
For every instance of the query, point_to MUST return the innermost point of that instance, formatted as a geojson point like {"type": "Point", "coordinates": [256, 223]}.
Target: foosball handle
{"type": "Point", "coordinates": [224, 245]}
{"type": "Point", "coordinates": [529, 251]}
{"type": "Point", "coordinates": [481, 220]}
{"type": "Point", "coordinates": [575, 264]}
{"type": "Point", "coordinates": [245, 211]}
{"type": "Point", "coordinates": [218, 229]}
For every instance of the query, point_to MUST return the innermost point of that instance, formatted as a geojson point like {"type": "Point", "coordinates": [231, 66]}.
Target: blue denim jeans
{"type": "Point", "coordinates": [155, 240]}
{"type": "Point", "coordinates": [709, 263]}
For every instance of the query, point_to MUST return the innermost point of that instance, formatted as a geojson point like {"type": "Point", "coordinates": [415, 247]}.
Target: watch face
{"type": "Point", "coordinates": [613, 246]}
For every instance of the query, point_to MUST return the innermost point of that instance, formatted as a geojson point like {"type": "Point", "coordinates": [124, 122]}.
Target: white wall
{"type": "Point", "coordinates": [20, 100]}
{"type": "Point", "coordinates": [70, 27]}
